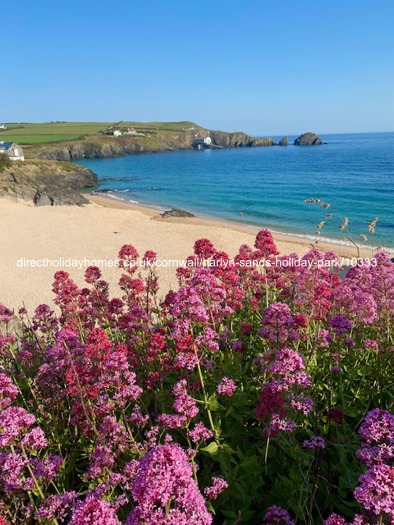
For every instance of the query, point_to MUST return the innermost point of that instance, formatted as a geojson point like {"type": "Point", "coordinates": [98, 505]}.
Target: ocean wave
{"type": "Point", "coordinates": [118, 179]}
{"type": "Point", "coordinates": [332, 240]}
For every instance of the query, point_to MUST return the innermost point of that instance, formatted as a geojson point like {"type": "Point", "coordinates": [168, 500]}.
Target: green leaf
{"type": "Point", "coordinates": [213, 404]}
{"type": "Point", "coordinates": [210, 507]}
{"type": "Point", "coordinates": [227, 449]}
{"type": "Point", "coordinates": [211, 449]}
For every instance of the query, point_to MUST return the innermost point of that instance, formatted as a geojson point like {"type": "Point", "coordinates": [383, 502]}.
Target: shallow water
{"type": "Point", "coordinates": [268, 186]}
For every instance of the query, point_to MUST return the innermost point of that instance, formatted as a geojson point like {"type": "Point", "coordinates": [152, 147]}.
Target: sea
{"type": "Point", "coordinates": [352, 176]}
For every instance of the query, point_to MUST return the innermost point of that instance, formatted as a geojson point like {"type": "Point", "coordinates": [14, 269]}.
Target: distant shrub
{"type": "Point", "coordinates": [4, 162]}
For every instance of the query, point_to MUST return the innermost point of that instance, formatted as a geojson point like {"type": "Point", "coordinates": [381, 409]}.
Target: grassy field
{"type": "Point", "coordinates": [26, 133]}
{"type": "Point", "coordinates": [36, 139]}
{"type": "Point", "coordinates": [49, 132]}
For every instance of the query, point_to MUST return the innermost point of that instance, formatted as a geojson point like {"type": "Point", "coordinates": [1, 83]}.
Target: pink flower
{"type": "Point", "coordinates": [184, 404]}
{"type": "Point", "coordinates": [376, 489]}
{"type": "Point", "coordinates": [377, 426]}
{"type": "Point", "coordinates": [204, 249]}
{"type": "Point", "coordinates": [279, 325]}
{"type": "Point", "coordinates": [334, 519]}
{"type": "Point", "coordinates": [226, 387]}
{"type": "Point", "coordinates": [369, 343]}
{"type": "Point", "coordinates": [94, 510]}
{"type": "Point", "coordinates": [92, 274]}
{"type": "Point", "coordinates": [277, 516]}
{"type": "Point", "coordinates": [5, 314]}
{"type": "Point", "coordinates": [14, 421]}
{"type": "Point", "coordinates": [128, 256]}
{"type": "Point", "coordinates": [165, 492]}
{"type": "Point", "coordinates": [217, 487]}
{"type": "Point", "coordinates": [341, 324]}
{"type": "Point", "coordinates": [35, 439]}
{"type": "Point", "coordinates": [57, 507]}
{"type": "Point", "coordinates": [149, 257]}
{"type": "Point", "coordinates": [316, 442]}
{"type": "Point", "coordinates": [200, 433]}
{"type": "Point", "coordinates": [265, 244]}
{"type": "Point", "coordinates": [8, 391]}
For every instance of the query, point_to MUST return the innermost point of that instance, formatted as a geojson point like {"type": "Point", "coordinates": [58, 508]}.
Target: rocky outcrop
{"type": "Point", "coordinates": [238, 140]}
{"type": "Point", "coordinates": [284, 141]}
{"type": "Point", "coordinates": [308, 139]}
{"type": "Point", "coordinates": [176, 212]}
{"type": "Point", "coordinates": [46, 183]}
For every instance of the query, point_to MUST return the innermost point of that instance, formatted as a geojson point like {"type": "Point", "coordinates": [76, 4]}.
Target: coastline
{"type": "Point", "coordinates": [97, 231]}
{"type": "Point", "coordinates": [284, 240]}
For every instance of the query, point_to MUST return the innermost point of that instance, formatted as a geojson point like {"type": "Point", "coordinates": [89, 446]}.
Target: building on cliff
{"type": "Point", "coordinates": [12, 150]}
{"type": "Point", "coordinates": [202, 143]}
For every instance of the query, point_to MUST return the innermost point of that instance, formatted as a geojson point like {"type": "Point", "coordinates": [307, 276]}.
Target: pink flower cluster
{"type": "Point", "coordinates": [165, 492]}
{"type": "Point", "coordinates": [282, 395]}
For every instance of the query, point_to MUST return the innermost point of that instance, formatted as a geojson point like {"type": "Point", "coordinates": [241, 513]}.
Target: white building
{"type": "Point", "coordinates": [117, 133]}
{"type": "Point", "coordinates": [205, 143]}
{"type": "Point", "coordinates": [3, 126]}
{"type": "Point", "coordinates": [134, 133]}
{"type": "Point", "coordinates": [12, 150]}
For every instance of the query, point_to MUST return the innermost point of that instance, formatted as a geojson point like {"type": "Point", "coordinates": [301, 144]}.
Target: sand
{"type": "Point", "coordinates": [97, 231]}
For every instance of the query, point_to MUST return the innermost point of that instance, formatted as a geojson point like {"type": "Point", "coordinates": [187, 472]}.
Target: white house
{"type": "Point", "coordinates": [132, 131]}
{"type": "Point", "coordinates": [12, 150]}
{"type": "Point", "coordinates": [205, 143]}
{"type": "Point", "coordinates": [3, 126]}
{"type": "Point", "coordinates": [117, 133]}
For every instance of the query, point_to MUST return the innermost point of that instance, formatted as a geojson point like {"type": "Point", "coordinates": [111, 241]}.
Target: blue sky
{"type": "Point", "coordinates": [265, 67]}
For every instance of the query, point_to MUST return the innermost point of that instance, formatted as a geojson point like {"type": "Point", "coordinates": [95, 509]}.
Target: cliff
{"type": "Point", "coordinates": [46, 182]}
{"type": "Point", "coordinates": [238, 140]}
{"type": "Point", "coordinates": [106, 146]}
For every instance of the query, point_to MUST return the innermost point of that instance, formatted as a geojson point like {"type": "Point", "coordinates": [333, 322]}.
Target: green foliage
{"type": "Point", "coordinates": [5, 162]}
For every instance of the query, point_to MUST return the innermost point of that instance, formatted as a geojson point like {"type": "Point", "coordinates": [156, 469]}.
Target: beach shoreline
{"type": "Point", "coordinates": [305, 242]}
{"type": "Point", "coordinates": [97, 231]}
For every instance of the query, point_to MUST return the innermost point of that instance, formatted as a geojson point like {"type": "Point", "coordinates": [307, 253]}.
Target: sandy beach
{"type": "Point", "coordinates": [97, 231]}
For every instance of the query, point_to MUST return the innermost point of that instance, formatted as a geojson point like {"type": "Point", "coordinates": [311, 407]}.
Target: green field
{"type": "Point", "coordinates": [43, 133]}
{"type": "Point", "coordinates": [36, 139]}
{"type": "Point", "coordinates": [50, 132]}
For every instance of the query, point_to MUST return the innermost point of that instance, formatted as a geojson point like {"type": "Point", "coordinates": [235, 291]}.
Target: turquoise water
{"type": "Point", "coordinates": [353, 172]}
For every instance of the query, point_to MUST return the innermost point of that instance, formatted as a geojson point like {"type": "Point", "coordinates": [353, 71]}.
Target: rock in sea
{"type": "Point", "coordinates": [308, 139]}
{"type": "Point", "coordinates": [176, 212]}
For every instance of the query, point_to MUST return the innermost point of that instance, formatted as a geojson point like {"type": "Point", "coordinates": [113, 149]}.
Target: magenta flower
{"type": "Point", "coordinates": [184, 404]}
{"type": "Point", "coordinates": [204, 249]}
{"type": "Point", "coordinates": [226, 387]}
{"type": "Point", "coordinates": [265, 244]}
{"type": "Point", "coordinates": [165, 492]}
{"type": "Point", "coordinates": [94, 510]}
{"type": "Point", "coordinates": [316, 442]}
{"type": "Point", "coordinates": [341, 324]}
{"type": "Point", "coordinates": [200, 433]}
{"type": "Point", "coordinates": [8, 391]}
{"type": "Point", "coordinates": [334, 519]}
{"type": "Point", "coordinates": [277, 516]}
{"type": "Point", "coordinates": [217, 487]}
{"type": "Point", "coordinates": [14, 422]}
{"type": "Point", "coordinates": [376, 489]}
